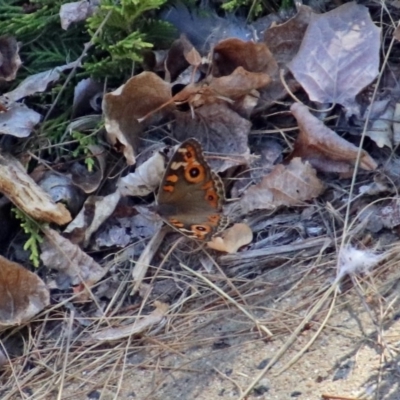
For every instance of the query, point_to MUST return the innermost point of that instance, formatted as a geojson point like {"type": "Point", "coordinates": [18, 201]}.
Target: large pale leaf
{"type": "Point", "coordinates": [339, 55]}
{"type": "Point", "coordinates": [22, 294]}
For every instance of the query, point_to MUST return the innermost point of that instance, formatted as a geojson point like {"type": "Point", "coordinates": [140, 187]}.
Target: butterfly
{"type": "Point", "coordinates": [191, 195]}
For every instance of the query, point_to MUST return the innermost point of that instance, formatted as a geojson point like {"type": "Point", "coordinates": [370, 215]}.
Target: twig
{"type": "Point", "coordinates": [143, 263]}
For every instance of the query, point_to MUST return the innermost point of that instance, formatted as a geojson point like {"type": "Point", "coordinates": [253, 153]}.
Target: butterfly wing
{"type": "Point", "coordinates": [191, 195]}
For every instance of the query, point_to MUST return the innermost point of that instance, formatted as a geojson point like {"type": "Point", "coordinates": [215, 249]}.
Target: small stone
{"type": "Point", "coordinates": [295, 394]}
{"type": "Point", "coordinates": [263, 363]}
{"type": "Point", "coordinates": [94, 395]}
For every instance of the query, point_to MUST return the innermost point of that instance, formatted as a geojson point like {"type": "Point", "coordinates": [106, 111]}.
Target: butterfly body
{"type": "Point", "coordinates": [191, 195]}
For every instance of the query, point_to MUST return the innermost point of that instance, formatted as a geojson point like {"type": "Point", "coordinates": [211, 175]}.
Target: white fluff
{"type": "Point", "coordinates": [354, 261]}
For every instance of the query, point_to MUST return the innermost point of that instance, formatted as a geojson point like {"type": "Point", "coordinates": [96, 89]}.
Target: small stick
{"type": "Point", "coordinates": [143, 263]}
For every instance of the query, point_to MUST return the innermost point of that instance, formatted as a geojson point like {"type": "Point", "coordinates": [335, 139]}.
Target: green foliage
{"type": "Point", "coordinates": [255, 7]}
{"type": "Point", "coordinates": [36, 25]}
{"type": "Point", "coordinates": [84, 140]}
{"type": "Point", "coordinates": [124, 35]}
{"type": "Point", "coordinates": [32, 229]}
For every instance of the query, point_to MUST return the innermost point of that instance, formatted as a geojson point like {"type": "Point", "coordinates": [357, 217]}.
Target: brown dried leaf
{"type": "Point", "coordinates": [286, 185]}
{"type": "Point", "coordinates": [284, 40]}
{"type": "Point", "coordinates": [219, 130]}
{"type": "Point", "coordinates": [232, 239]}
{"type": "Point", "coordinates": [22, 293]}
{"type": "Point", "coordinates": [22, 190]}
{"type": "Point", "coordinates": [175, 62]}
{"type": "Point", "coordinates": [239, 83]}
{"type": "Point", "coordinates": [139, 326]}
{"type": "Point", "coordinates": [232, 53]}
{"type": "Point", "coordinates": [60, 254]}
{"type": "Point", "coordinates": [191, 55]}
{"type": "Point", "coordinates": [324, 148]}
{"type": "Point", "coordinates": [9, 58]}
{"type": "Point", "coordinates": [230, 89]}
{"type": "Point", "coordinates": [122, 109]}
{"type": "Point", "coordinates": [339, 55]}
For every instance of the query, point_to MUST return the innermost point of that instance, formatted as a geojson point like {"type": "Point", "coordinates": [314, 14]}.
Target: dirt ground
{"type": "Point", "coordinates": [219, 355]}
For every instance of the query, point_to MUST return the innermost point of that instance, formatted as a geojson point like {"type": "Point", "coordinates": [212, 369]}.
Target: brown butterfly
{"type": "Point", "coordinates": [191, 195]}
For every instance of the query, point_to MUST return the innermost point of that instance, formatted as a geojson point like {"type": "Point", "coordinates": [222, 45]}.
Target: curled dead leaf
{"type": "Point", "coordinates": [232, 239]}
{"type": "Point", "coordinates": [232, 53]}
{"type": "Point", "coordinates": [324, 148]}
{"type": "Point", "coordinates": [147, 321]}
{"type": "Point", "coordinates": [140, 97]}
{"type": "Point", "coordinates": [22, 293]}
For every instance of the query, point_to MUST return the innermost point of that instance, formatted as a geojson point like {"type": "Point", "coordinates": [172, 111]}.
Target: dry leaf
{"type": "Point", "coordinates": [286, 185]}
{"type": "Point", "coordinates": [138, 98]}
{"type": "Point", "coordinates": [284, 40]}
{"type": "Point", "coordinates": [22, 190]}
{"type": "Point", "coordinates": [381, 129]}
{"type": "Point", "coordinates": [60, 188]}
{"type": "Point", "coordinates": [146, 178]}
{"type": "Point", "coordinates": [226, 89]}
{"type": "Point", "coordinates": [22, 293]}
{"type": "Point", "coordinates": [232, 239]}
{"type": "Point", "coordinates": [88, 94]}
{"type": "Point", "coordinates": [17, 119]}
{"type": "Point", "coordinates": [232, 53]}
{"type": "Point", "coordinates": [324, 148]}
{"type": "Point", "coordinates": [38, 83]}
{"type": "Point", "coordinates": [219, 130]}
{"type": "Point", "coordinates": [128, 225]}
{"type": "Point", "coordinates": [75, 12]}
{"type": "Point", "coordinates": [239, 83]}
{"type": "Point", "coordinates": [339, 55]}
{"type": "Point", "coordinates": [145, 322]}
{"type": "Point", "coordinates": [175, 61]}
{"type": "Point", "coordinates": [268, 153]}
{"type": "Point", "coordinates": [191, 55]}
{"type": "Point", "coordinates": [9, 58]}
{"type": "Point", "coordinates": [60, 254]}
{"type": "Point", "coordinates": [93, 213]}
